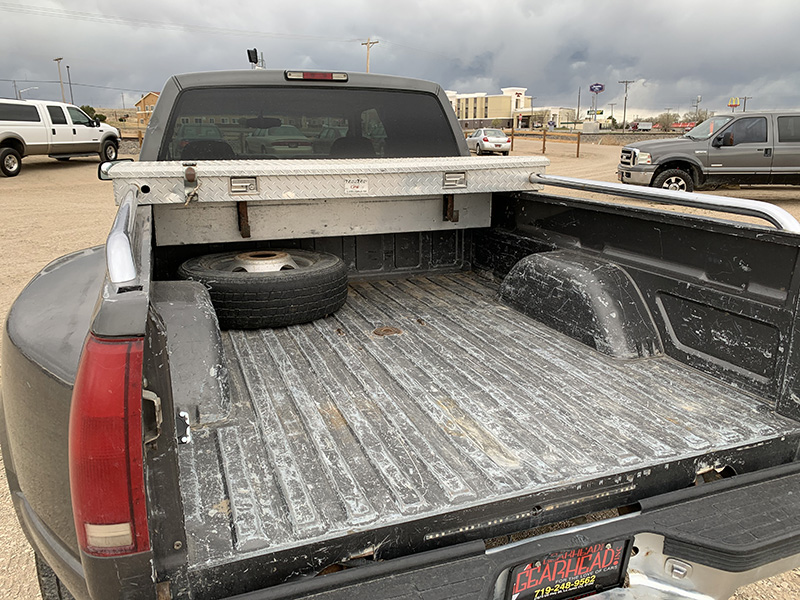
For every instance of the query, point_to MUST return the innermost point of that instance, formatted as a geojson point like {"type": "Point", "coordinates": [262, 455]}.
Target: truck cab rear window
{"type": "Point", "coordinates": [18, 112]}
{"type": "Point", "coordinates": [57, 115]}
{"type": "Point", "coordinates": [297, 123]}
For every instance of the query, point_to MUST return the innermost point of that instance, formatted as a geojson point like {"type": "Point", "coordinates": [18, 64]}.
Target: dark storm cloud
{"type": "Point", "coordinates": [673, 51]}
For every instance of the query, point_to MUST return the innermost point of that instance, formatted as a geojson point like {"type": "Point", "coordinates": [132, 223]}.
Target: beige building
{"type": "Point", "coordinates": [560, 116]}
{"type": "Point", "coordinates": [480, 109]}
{"type": "Point", "coordinates": [144, 108]}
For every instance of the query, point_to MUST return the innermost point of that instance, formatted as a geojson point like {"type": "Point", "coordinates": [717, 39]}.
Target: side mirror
{"type": "Point", "coordinates": [104, 170]}
{"type": "Point", "coordinates": [727, 138]}
{"type": "Point", "coordinates": [723, 139]}
{"type": "Point", "coordinates": [96, 123]}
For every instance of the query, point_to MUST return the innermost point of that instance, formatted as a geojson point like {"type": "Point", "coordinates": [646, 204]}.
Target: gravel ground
{"type": "Point", "coordinates": [53, 208]}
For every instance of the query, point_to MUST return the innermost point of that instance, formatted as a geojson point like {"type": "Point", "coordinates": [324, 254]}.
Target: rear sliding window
{"type": "Point", "coordinates": [789, 129]}
{"type": "Point", "coordinates": [298, 123]}
{"type": "Point", "coordinates": [18, 112]}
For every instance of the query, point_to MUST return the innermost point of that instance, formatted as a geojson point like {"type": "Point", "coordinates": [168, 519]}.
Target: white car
{"type": "Point", "coordinates": [483, 141]}
{"type": "Point", "coordinates": [53, 128]}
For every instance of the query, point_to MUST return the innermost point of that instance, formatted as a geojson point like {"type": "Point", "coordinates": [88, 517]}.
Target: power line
{"type": "Point", "coordinates": [41, 11]}
{"type": "Point", "coordinates": [88, 85]}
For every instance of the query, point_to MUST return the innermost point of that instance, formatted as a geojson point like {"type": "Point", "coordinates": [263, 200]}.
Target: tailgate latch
{"type": "Point", "coordinates": [190, 183]}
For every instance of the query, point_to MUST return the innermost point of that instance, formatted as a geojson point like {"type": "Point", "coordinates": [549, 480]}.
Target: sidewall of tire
{"type": "Point", "coordinates": [5, 152]}
{"type": "Point", "coordinates": [664, 175]}
{"type": "Point", "coordinates": [268, 300]}
{"type": "Point", "coordinates": [104, 151]}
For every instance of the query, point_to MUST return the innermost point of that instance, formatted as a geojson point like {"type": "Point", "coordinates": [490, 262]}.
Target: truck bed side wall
{"type": "Point", "coordinates": [723, 297]}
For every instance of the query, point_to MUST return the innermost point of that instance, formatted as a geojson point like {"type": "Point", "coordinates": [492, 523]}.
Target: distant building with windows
{"type": "Point", "coordinates": [560, 116]}
{"type": "Point", "coordinates": [145, 107]}
{"type": "Point", "coordinates": [479, 109]}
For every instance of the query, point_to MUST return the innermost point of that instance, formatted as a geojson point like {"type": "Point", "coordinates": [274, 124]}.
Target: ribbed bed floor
{"type": "Point", "coordinates": [335, 427]}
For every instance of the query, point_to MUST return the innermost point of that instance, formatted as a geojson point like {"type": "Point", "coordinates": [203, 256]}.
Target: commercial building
{"type": "Point", "coordinates": [479, 109]}
{"type": "Point", "coordinates": [560, 116]}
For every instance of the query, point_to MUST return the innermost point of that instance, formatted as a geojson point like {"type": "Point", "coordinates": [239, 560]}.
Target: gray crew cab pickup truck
{"type": "Point", "coordinates": [387, 369]}
{"type": "Point", "coordinates": [744, 148]}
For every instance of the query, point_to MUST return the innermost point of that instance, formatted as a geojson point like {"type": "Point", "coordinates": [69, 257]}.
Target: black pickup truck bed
{"type": "Point", "coordinates": [426, 396]}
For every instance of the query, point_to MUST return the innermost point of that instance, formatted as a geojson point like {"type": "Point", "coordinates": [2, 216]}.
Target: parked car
{"type": "Point", "coordinates": [56, 129]}
{"type": "Point", "coordinates": [193, 132]}
{"type": "Point", "coordinates": [423, 378]}
{"type": "Point", "coordinates": [280, 141]}
{"type": "Point", "coordinates": [328, 135]}
{"type": "Point", "coordinates": [485, 141]}
{"type": "Point", "coordinates": [744, 148]}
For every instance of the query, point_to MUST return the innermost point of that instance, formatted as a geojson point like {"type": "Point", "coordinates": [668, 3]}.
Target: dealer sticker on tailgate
{"type": "Point", "coordinates": [569, 574]}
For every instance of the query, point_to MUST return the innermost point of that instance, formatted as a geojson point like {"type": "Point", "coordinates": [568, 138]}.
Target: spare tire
{"type": "Point", "coordinates": [270, 288]}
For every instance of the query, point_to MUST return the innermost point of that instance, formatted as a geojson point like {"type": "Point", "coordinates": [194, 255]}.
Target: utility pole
{"type": "Point", "coordinates": [531, 123]}
{"type": "Point", "coordinates": [60, 81]}
{"type": "Point", "coordinates": [369, 44]}
{"type": "Point", "coordinates": [16, 93]}
{"type": "Point", "coordinates": [744, 105]}
{"type": "Point", "coordinates": [612, 105]}
{"type": "Point", "coordinates": [696, 104]}
{"type": "Point", "coordinates": [71, 99]}
{"type": "Point", "coordinates": [122, 95]}
{"type": "Point", "coordinates": [578, 110]}
{"type": "Point", "coordinates": [625, 82]}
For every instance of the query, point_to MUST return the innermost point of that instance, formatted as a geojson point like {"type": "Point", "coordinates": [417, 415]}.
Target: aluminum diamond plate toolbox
{"type": "Point", "coordinates": [254, 180]}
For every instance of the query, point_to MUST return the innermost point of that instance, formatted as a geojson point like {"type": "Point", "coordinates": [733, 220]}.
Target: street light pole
{"type": "Point", "coordinates": [625, 102]}
{"type": "Point", "coordinates": [71, 99]}
{"type": "Point", "coordinates": [744, 105]}
{"type": "Point", "coordinates": [60, 80]}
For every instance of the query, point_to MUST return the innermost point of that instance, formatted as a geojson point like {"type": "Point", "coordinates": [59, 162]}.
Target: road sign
{"type": "Point", "coordinates": [597, 88]}
{"type": "Point", "coordinates": [599, 111]}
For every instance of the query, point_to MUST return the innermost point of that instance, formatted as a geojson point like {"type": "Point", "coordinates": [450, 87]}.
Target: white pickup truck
{"type": "Point", "coordinates": [29, 127]}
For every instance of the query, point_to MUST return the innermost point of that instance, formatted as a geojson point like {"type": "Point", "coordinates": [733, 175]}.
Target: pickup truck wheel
{"type": "Point", "coordinates": [10, 162]}
{"type": "Point", "coordinates": [674, 179]}
{"type": "Point", "coordinates": [49, 584]}
{"type": "Point", "coordinates": [109, 151]}
{"type": "Point", "coordinates": [270, 288]}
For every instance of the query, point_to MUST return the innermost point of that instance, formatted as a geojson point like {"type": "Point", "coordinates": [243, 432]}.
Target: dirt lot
{"type": "Point", "coordinates": [53, 208]}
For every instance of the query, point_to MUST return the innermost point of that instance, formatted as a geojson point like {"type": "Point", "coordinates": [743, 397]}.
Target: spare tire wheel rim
{"type": "Point", "coordinates": [264, 261]}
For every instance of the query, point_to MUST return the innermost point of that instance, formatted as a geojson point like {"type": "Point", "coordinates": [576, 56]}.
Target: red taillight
{"type": "Point", "coordinates": [106, 470]}
{"type": "Point", "coordinates": [486, 139]}
{"type": "Point", "coordinates": [508, 140]}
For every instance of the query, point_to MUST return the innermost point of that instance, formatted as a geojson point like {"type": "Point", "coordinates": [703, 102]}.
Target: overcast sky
{"type": "Point", "coordinates": [674, 51]}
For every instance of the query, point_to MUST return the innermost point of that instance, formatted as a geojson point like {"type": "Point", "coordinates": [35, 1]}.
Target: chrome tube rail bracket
{"type": "Point", "coordinates": [120, 262]}
{"type": "Point", "coordinates": [775, 215]}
